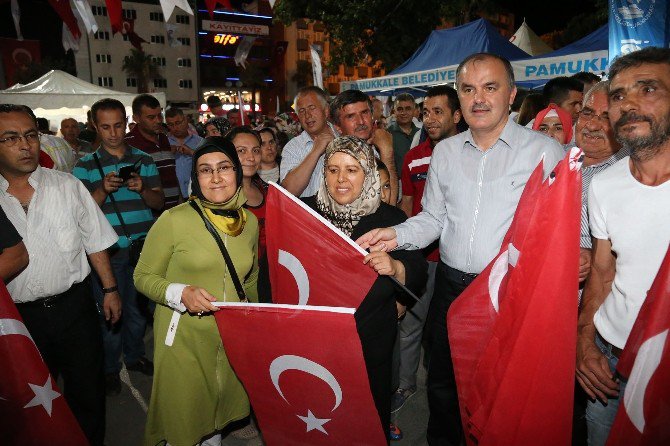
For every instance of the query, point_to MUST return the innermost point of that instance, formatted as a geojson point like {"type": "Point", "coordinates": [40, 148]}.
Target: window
{"type": "Point", "coordinates": [184, 40]}
{"type": "Point", "coordinates": [129, 14]}
{"type": "Point", "coordinates": [185, 62]}
{"type": "Point", "coordinates": [160, 61]}
{"type": "Point", "coordinates": [158, 39]}
{"type": "Point", "coordinates": [185, 83]}
{"type": "Point", "coordinates": [105, 81]}
{"type": "Point", "coordinates": [156, 17]}
{"type": "Point", "coordinates": [131, 82]}
{"type": "Point", "coordinates": [99, 10]}
{"type": "Point", "coordinates": [183, 19]}
{"type": "Point", "coordinates": [102, 35]}
{"type": "Point", "coordinates": [103, 58]}
{"type": "Point", "coordinates": [160, 83]}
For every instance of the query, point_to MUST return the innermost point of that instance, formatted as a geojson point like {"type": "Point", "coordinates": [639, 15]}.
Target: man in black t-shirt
{"type": "Point", "coordinates": [13, 253]}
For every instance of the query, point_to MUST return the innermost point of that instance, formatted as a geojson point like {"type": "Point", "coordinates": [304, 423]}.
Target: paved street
{"type": "Point", "coordinates": [126, 413]}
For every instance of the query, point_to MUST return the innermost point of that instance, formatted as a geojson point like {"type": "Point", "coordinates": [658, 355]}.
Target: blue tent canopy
{"type": "Point", "coordinates": [446, 47]}
{"type": "Point", "coordinates": [586, 54]}
{"type": "Point", "coordinates": [436, 59]}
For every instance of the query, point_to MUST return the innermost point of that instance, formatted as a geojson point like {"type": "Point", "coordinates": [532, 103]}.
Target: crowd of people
{"type": "Point", "coordinates": [113, 226]}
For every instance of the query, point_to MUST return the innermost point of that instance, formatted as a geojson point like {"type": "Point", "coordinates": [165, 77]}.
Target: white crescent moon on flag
{"type": "Point", "coordinates": [14, 327]}
{"type": "Point", "coordinates": [292, 362]}
{"type": "Point", "coordinates": [291, 263]}
{"type": "Point", "coordinates": [646, 362]}
{"type": "Point", "coordinates": [498, 272]}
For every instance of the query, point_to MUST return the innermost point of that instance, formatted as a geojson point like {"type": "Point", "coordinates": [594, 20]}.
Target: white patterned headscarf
{"type": "Point", "coordinates": [346, 217]}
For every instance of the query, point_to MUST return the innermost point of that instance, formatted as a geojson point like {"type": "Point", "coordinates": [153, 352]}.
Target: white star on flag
{"type": "Point", "coordinates": [313, 422]}
{"type": "Point", "coordinates": [44, 395]}
{"type": "Point", "coordinates": [169, 5]}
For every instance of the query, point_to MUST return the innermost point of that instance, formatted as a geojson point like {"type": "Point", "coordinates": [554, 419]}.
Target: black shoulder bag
{"type": "Point", "coordinates": [135, 248]}
{"type": "Point", "coordinates": [222, 247]}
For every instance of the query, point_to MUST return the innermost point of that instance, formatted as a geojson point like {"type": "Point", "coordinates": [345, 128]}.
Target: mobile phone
{"type": "Point", "coordinates": [126, 171]}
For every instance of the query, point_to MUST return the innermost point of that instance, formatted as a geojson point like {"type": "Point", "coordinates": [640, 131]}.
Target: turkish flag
{"type": "Point", "coordinates": [304, 388]}
{"type": "Point", "coordinates": [128, 28]}
{"type": "Point", "coordinates": [512, 332]}
{"type": "Point", "coordinates": [18, 56]}
{"type": "Point", "coordinates": [64, 10]}
{"type": "Point", "coordinates": [311, 262]}
{"type": "Point", "coordinates": [32, 409]}
{"type": "Point", "coordinates": [211, 5]}
{"type": "Point", "coordinates": [114, 10]}
{"type": "Point", "coordinates": [643, 417]}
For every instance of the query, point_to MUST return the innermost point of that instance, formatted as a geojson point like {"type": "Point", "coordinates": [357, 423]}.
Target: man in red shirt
{"type": "Point", "coordinates": [441, 114]}
{"type": "Point", "coordinates": [148, 136]}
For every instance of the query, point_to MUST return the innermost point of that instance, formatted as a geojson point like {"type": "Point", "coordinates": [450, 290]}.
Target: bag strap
{"type": "Point", "coordinates": [111, 198]}
{"type": "Point", "coordinates": [222, 247]}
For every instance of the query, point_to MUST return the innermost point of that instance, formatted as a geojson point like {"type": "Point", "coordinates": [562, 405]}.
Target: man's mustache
{"type": "Point", "coordinates": [631, 117]}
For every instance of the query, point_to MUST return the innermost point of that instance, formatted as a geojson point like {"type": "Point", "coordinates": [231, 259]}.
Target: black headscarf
{"type": "Point", "coordinates": [213, 144]}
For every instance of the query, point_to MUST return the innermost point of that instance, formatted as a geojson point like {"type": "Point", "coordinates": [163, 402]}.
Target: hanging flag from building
{"type": "Point", "coordinates": [305, 389]}
{"type": "Point", "coordinates": [114, 11]}
{"type": "Point", "coordinates": [18, 56]}
{"type": "Point", "coordinates": [32, 408]}
{"type": "Point", "coordinates": [68, 40]}
{"type": "Point", "coordinates": [128, 28]}
{"type": "Point", "coordinates": [634, 25]}
{"type": "Point", "coordinates": [525, 356]}
{"type": "Point", "coordinates": [16, 17]}
{"type": "Point", "coordinates": [168, 7]}
{"type": "Point", "coordinates": [171, 30]}
{"type": "Point", "coordinates": [643, 417]}
{"type": "Point", "coordinates": [211, 6]}
{"type": "Point", "coordinates": [64, 10]}
{"type": "Point", "coordinates": [316, 66]}
{"type": "Point", "coordinates": [86, 14]}
{"type": "Point", "coordinates": [311, 262]}
{"type": "Point", "coordinates": [243, 49]}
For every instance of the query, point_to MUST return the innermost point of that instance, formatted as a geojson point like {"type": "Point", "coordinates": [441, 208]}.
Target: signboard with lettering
{"type": "Point", "coordinates": [235, 28]}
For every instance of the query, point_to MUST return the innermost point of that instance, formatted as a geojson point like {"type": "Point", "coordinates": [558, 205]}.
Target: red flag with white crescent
{"type": "Point", "coordinates": [643, 417]}
{"type": "Point", "coordinates": [525, 356]}
{"type": "Point", "coordinates": [32, 408]}
{"type": "Point", "coordinates": [64, 10]}
{"type": "Point", "coordinates": [305, 389]}
{"type": "Point", "coordinates": [311, 262]}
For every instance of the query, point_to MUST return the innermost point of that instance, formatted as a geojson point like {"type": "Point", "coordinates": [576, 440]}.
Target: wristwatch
{"type": "Point", "coordinates": [111, 289]}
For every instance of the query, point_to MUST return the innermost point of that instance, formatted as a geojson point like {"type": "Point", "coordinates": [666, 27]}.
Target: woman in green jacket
{"type": "Point", "coordinates": [195, 391]}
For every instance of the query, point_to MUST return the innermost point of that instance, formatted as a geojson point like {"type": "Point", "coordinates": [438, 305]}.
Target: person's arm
{"type": "Point", "coordinates": [593, 371]}
{"type": "Point", "coordinates": [297, 178]}
{"type": "Point", "coordinates": [406, 204]}
{"type": "Point", "coordinates": [110, 184]}
{"type": "Point", "coordinates": [153, 197]}
{"type": "Point", "coordinates": [383, 141]}
{"type": "Point", "coordinates": [12, 260]}
{"type": "Point", "coordinates": [112, 300]}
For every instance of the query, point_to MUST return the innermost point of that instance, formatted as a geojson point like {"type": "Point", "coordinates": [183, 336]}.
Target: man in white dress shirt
{"type": "Point", "coordinates": [475, 180]}
{"type": "Point", "coordinates": [63, 229]}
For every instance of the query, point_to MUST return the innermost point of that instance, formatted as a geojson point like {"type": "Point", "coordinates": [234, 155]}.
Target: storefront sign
{"type": "Point", "coordinates": [235, 28]}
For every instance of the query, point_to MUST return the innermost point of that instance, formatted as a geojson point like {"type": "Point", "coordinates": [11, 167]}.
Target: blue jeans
{"type": "Point", "coordinates": [600, 417]}
{"type": "Point", "coordinates": [127, 335]}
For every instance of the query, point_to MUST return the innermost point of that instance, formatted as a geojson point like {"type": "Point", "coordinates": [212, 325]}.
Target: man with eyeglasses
{"type": "Point", "coordinates": [65, 233]}
{"type": "Point", "coordinates": [270, 159]}
{"type": "Point", "coordinates": [183, 145]}
{"type": "Point", "coordinates": [127, 199]}
{"type": "Point", "coordinates": [595, 136]}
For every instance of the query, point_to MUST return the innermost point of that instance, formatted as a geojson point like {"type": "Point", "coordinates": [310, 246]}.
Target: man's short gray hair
{"type": "Point", "coordinates": [600, 86]}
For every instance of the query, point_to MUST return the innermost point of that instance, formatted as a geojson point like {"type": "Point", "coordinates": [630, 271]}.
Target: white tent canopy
{"type": "Point", "coordinates": [526, 39]}
{"type": "Point", "coordinates": [58, 95]}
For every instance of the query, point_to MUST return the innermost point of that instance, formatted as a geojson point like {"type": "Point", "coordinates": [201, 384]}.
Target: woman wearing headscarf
{"type": "Point", "coordinates": [350, 198]}
{"type": "Point", "coordinates": [554, 122]}
{"type": "Point", "coordinates": [218, 126]}
{"type": "Point", "coordinates": [195, 391]}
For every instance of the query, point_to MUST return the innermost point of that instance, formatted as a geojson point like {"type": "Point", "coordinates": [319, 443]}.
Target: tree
{"type": "Point", "coordinates": [363, 31]}
{"type": "Point", "coordinates": [141, 66]}
{"type": "Point", "coordinates": [303, 75]}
